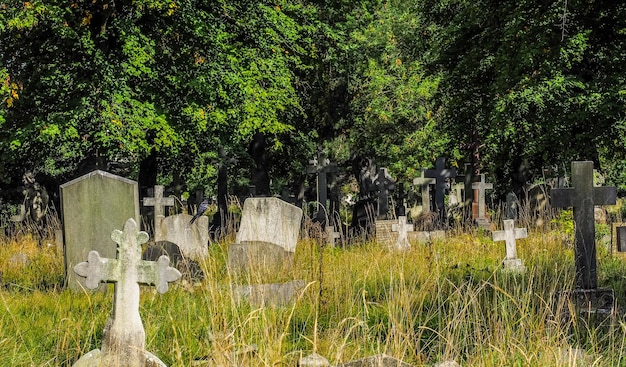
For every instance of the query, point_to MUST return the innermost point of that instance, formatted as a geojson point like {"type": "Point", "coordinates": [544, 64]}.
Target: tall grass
{"type": "Point", "coordinates": [446, 300]}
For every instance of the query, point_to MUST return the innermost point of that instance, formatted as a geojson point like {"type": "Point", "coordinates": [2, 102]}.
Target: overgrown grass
{"type": "Point", "coordinates": [447, 300]}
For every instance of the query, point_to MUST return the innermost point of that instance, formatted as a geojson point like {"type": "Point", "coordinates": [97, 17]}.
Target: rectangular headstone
{"type": "Point", "coordinates": [619, 238]}
{"type": "Point", "coordinates": [93, 206]}
{"type": "Point", "coordinates": [267, 236]}
{"type": "Point", "coordinates": [193, 240]}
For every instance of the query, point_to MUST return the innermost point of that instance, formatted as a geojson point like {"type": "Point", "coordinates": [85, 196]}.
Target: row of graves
{"type": "Point", "coordinates": [104, 241]}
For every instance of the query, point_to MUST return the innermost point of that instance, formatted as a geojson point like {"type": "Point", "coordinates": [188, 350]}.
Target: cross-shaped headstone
{"type": "Point", "coordinates": [481, 186]}
{"type": "Point", "coordinates": [321, 167]}
{"type": "Point", "coordinates": [124, 336]}
{"type": "Point", "coordinates": [403, 228]}
{"type": "Point", "coordinates": [509, 235]}
{"type": "Point", "coordinates": [159, 203]}
{"type": "Point", "coordinates": [582, 197]}
{"type": "Point", "coordinates": [424, 184]}
{"type": "Point", "coordinates": [384, 182]}
{"type": "Point", "coordinates": [440, 174]}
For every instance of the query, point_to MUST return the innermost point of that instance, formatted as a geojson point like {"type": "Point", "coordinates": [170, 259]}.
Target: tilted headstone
{"type": "Point", "coordinates": [424, 184]}
{"type": "Point", "coordinates": [159, 203]}
{"type": "Point", "coordinates": [322, 168]}
{"type": "Point", "coordinates": [124, 338]}
{"type": "Point", "coordinates": [440, 173]}
{"type": "Point", "coordinates": [481, 186]}
{"type": "Point", "coordinates": [193, 239]}
{"type": "Point", "coordinates": [93, 206]}
{"type": "Point", "coordinates": [582, 197]}
{"type": "Point", "coordinates": [509, 235]}
{"type": "Point", "coordinates": [403, 228]}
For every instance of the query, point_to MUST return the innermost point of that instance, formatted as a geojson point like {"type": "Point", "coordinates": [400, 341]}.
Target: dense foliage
{"type": "Point", "coordinates": [159, 86]}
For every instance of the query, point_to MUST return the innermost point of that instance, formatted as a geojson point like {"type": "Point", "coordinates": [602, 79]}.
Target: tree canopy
{"type": "Point", "coordinates": [513, 87]}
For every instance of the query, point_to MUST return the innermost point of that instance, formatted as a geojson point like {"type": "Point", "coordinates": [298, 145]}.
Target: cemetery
{"type": "Point", "coordinates": [312, 183]}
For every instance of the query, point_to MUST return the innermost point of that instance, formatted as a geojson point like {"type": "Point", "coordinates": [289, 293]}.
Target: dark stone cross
{"type": "Point", "coordinates": [582, 197]}
{"type": "Point", "coordinates": [383, 183]}
{"type": "Point", "coordinates": [321, 167]}
{"type": "Point", "coordinates": [440, 174]}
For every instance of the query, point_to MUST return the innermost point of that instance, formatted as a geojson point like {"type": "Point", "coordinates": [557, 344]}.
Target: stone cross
{"type": "Point", "coordinates": [321, 167]}
{"type": "Point", "coordinates": [424, 183]}
{"type": "Point", "coordinates": [124, 337]}
{"type": "Point", "coordinates": [440, 174]}
{"type": "Point", "coordinates": [582, 197]}
{"type": "Point", "coordinates": [403, 228]}
{"type": "Point", "coordinates": [384, 182]}
{"type": "Point", "coordinates": [509, 235]}
{"type": "Point", "coordinates": [159, 203]}
{"type": "Point", "coordinates": [481, 186]}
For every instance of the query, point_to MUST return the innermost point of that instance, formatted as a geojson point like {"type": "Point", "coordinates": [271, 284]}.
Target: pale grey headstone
{"type": "Point", "coordinates": [403, 228]}
{"type": "Point", "coordinates": [270, 220]}
{"type": "Point", "coordinates": [379, 360]}
{"type": "Point", "coordinates": [193, 240]}
{"type": "Point", "coordinates": [313, 360]}
{"type": "Point", "coordinates": [509, 235]}
{"type": "Point", "coordinates": [93, 206]}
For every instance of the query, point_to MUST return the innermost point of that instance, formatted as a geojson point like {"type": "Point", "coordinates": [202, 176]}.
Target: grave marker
{"type": "Point", "coordinates": [321, 167]}
{"type": "Point", "coordinates": [159, 203]}
{"type": "Point", "coordinates": [384, 182]}
{"type": "Point", "coordinates": [440, 174]}
{"type": "Point", "coordinates": [509, 235]}
{"type": "Point", "coordinates": [582, 197]}
{"type": "Point", "coordinates": [93, 206]}
{"type": "Point", "coordinates": [618, 239]}
{"type": "Point", "coordinates": [124, 338]}
{"type": "Point", "coordinates": [481, 186]}
{"type": "Point", "coordinates": [403, 228]}
{"type": "Point", "coordinates": [424, 184]}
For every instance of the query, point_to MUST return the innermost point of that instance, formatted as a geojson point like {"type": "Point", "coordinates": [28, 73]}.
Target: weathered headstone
{"type": "Point", "coordinates": [193, 240]}
{"type": "Point", "coordinates": [424, 184]}
{"type": "Point", "coordinates": [440, 173]}
{"type": "Point", "coordinates": [159, 203]}
{"type": "Point", "coordinates": [313, 360]}
{"type": "Point", "coordinates": [124, 338]}
{"type": "Point", "coordinates": [93, 206]}
{"type": "Point", "coordinates": [582, 197]}
{"type": "Point", "coordinates": [509, 235]}
{"type": "Point", "coordinates": [481, 186]}
{"type": "Point", "coordinates": [188, 267]}
{"type": "Point", "coordinates": [322, 168]}
{"type": "Point", "coordinates": [403, 228]}
{"type": "Point", "coordinates": [331, 235]}
{"type": "Point", "coordinates": [264, 250]}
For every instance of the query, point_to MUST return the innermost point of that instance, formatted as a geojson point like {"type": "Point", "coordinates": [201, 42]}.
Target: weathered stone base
{"type": "Point", "coordinates": [275, 295]}
{"type": "Point", "coordinates": [93, 358]}
{"type": "Point", "coordinates": [261, 260]}
{"type": "Point", "coordinates": [513, 265]}
{"type": "Point", "coordinates": [597, 303]}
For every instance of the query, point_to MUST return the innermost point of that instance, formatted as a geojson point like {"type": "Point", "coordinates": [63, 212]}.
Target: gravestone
{"type": "Point", "coordinates": [481, 186]}
{"type": "Point", "coordinates": [384, 183]}
{"type": "Point", "coordinates": [403, 228]}
{"type": "Point", "coordinates": [313, 360]}
{"type": "Point", "coordinates": [331, 235]}
{"type": "Point", "coordinates": [440, 173]}
{"type": "Point", "coordinates": [512, 206]}
{"type": "Point", "coordinates": [426, 237]}
{"type": "Point", "coordinates": [193, 240]}
{"type": "Point", "coordinates": [36, 200]}
{"type": "Point", "coordinates": [188, 267]}
{"type": "Point", "coordinates": [124, 338]}
{"type": "Point", "coordinates": [322, 168]}
{"type": "Point", "coordinates": [618, 239]}
{"type": "Point", "coordinates": [509, 235]}
{"type": "Point", "coordinates": [159, 203]}
{"type": "Point", "coordinates": [424, 184]}
{"type": "Point", "coordinates": [264, 251]}
{"type": "Point", "coordinates": [582, 197]}
{"type": "Point", "coordinates": [93, 206]}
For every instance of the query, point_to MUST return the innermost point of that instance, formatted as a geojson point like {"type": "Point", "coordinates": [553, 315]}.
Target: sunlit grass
{"type": "Point", "coordinates": [447, 300]}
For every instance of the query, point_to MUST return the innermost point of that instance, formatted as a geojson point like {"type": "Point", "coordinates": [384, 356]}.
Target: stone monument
{"type": "Point", "coordinates": [509, 235]}
{"type": "Point", "coordinates": [124, 338]}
